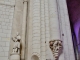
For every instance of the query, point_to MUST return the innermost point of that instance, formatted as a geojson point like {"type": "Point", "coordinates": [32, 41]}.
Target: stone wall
{"type": "Point", "coordinates": [6, 18]}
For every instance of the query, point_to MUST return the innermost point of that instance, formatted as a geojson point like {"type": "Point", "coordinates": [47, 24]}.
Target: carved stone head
{"type": "Point", "coordinates": [56, 48]}
{"type": "Point", "coordinates": [18, 37]}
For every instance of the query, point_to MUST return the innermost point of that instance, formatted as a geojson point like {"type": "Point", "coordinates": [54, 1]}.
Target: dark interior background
{"type": "Point", "coordinates": [74, 15]}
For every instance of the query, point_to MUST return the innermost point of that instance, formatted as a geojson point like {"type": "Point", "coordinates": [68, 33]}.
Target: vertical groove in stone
{"type": "Point", "coordinates": [36, 27]}
{"type": "Point", "coordinates": [42, 31]}
{"type": "Point", "coordinates": [54, 22]}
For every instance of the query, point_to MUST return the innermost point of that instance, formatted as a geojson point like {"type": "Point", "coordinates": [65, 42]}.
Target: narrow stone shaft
{"type": "Point", "coordinates": [54, 21]}
{"type": "Point", "coordinates": [43, 31]}
{"type": "Point", "coordinates": [36, 27]}
{"type": "Point", "coordinates": [24, 21]}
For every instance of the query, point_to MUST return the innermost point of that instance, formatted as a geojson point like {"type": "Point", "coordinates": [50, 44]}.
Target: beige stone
{"type": "Point", "coordinates": [38, 22]}
{"type": "Point", "coordinates": [15, 57]}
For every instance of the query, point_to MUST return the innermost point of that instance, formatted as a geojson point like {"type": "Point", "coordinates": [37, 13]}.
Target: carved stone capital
{"type": "Point", "coordinates": [56, 48]}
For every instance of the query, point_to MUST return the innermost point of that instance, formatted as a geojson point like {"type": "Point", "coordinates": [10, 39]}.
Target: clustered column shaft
{"type": "Point", "coordinates": [36, 27]}
{"type": "Point", "coordinates": [24, 23]}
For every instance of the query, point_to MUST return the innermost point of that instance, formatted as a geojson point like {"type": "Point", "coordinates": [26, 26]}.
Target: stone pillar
{"type": "Point", "coordinates": [54, 27]}
{"type": "Point", "coordinates": [43, 47]}
{"type": "Point", "coordinates": [36, 28]}
{"type": "Point", "coordinates": [24, 26]}
{"type": "Point", "coordinates": [47, 29]}
{"type": "Point", "coordinates": [17, 27]}
{"type": "Point", "coordinates": [54, 21]}
{"type": "Point", "coordinates": [66, 30]}
{"type": "Point", "coordinates": [29, 39]}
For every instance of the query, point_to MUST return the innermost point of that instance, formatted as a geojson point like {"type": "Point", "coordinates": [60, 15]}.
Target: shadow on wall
{"type": "Point", "coordinates": [34, 57]}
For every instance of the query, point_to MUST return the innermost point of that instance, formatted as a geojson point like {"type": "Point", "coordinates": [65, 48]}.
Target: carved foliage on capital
{"type": "Point", "coordinates": [56, 48]}
{"type": "Point", "coordinates": [16, 45]}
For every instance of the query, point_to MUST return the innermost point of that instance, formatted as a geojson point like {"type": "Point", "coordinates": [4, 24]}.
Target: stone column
{"type": "Point", "coordinates": [66, 30]}
{"type": "Point", "coordinates": [43, 47]}
{"type": "Point", "coordinates": [17, 27]}
{"type": "Point", "coordinates": [47, 29]}
{"type": "Point", "coordinates": [36, 28]}
{"type": "Point", "coordinates": [54, 21]}
{"type": "Point", "coordinates": [24, 26]}
{"type": "Point", "coordinates": [29, 32]}
{"type": "Point", "coordinates": [54, 27]}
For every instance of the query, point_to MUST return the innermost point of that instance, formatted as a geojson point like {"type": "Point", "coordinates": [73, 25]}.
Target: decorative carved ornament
{"type": "Point", "coordinates": [16, 45]}
{"type": "Point", "coordinates": [56, 48]}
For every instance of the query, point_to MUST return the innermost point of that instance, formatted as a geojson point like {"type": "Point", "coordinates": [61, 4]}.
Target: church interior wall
{"type": "Point", "coordinates": [39, 30]}
{"type": "Point", "coordinates": [6, 19]}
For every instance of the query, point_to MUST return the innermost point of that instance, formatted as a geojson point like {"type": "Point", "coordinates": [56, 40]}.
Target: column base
{"type": "Point", "coordinates": [15, 56]}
